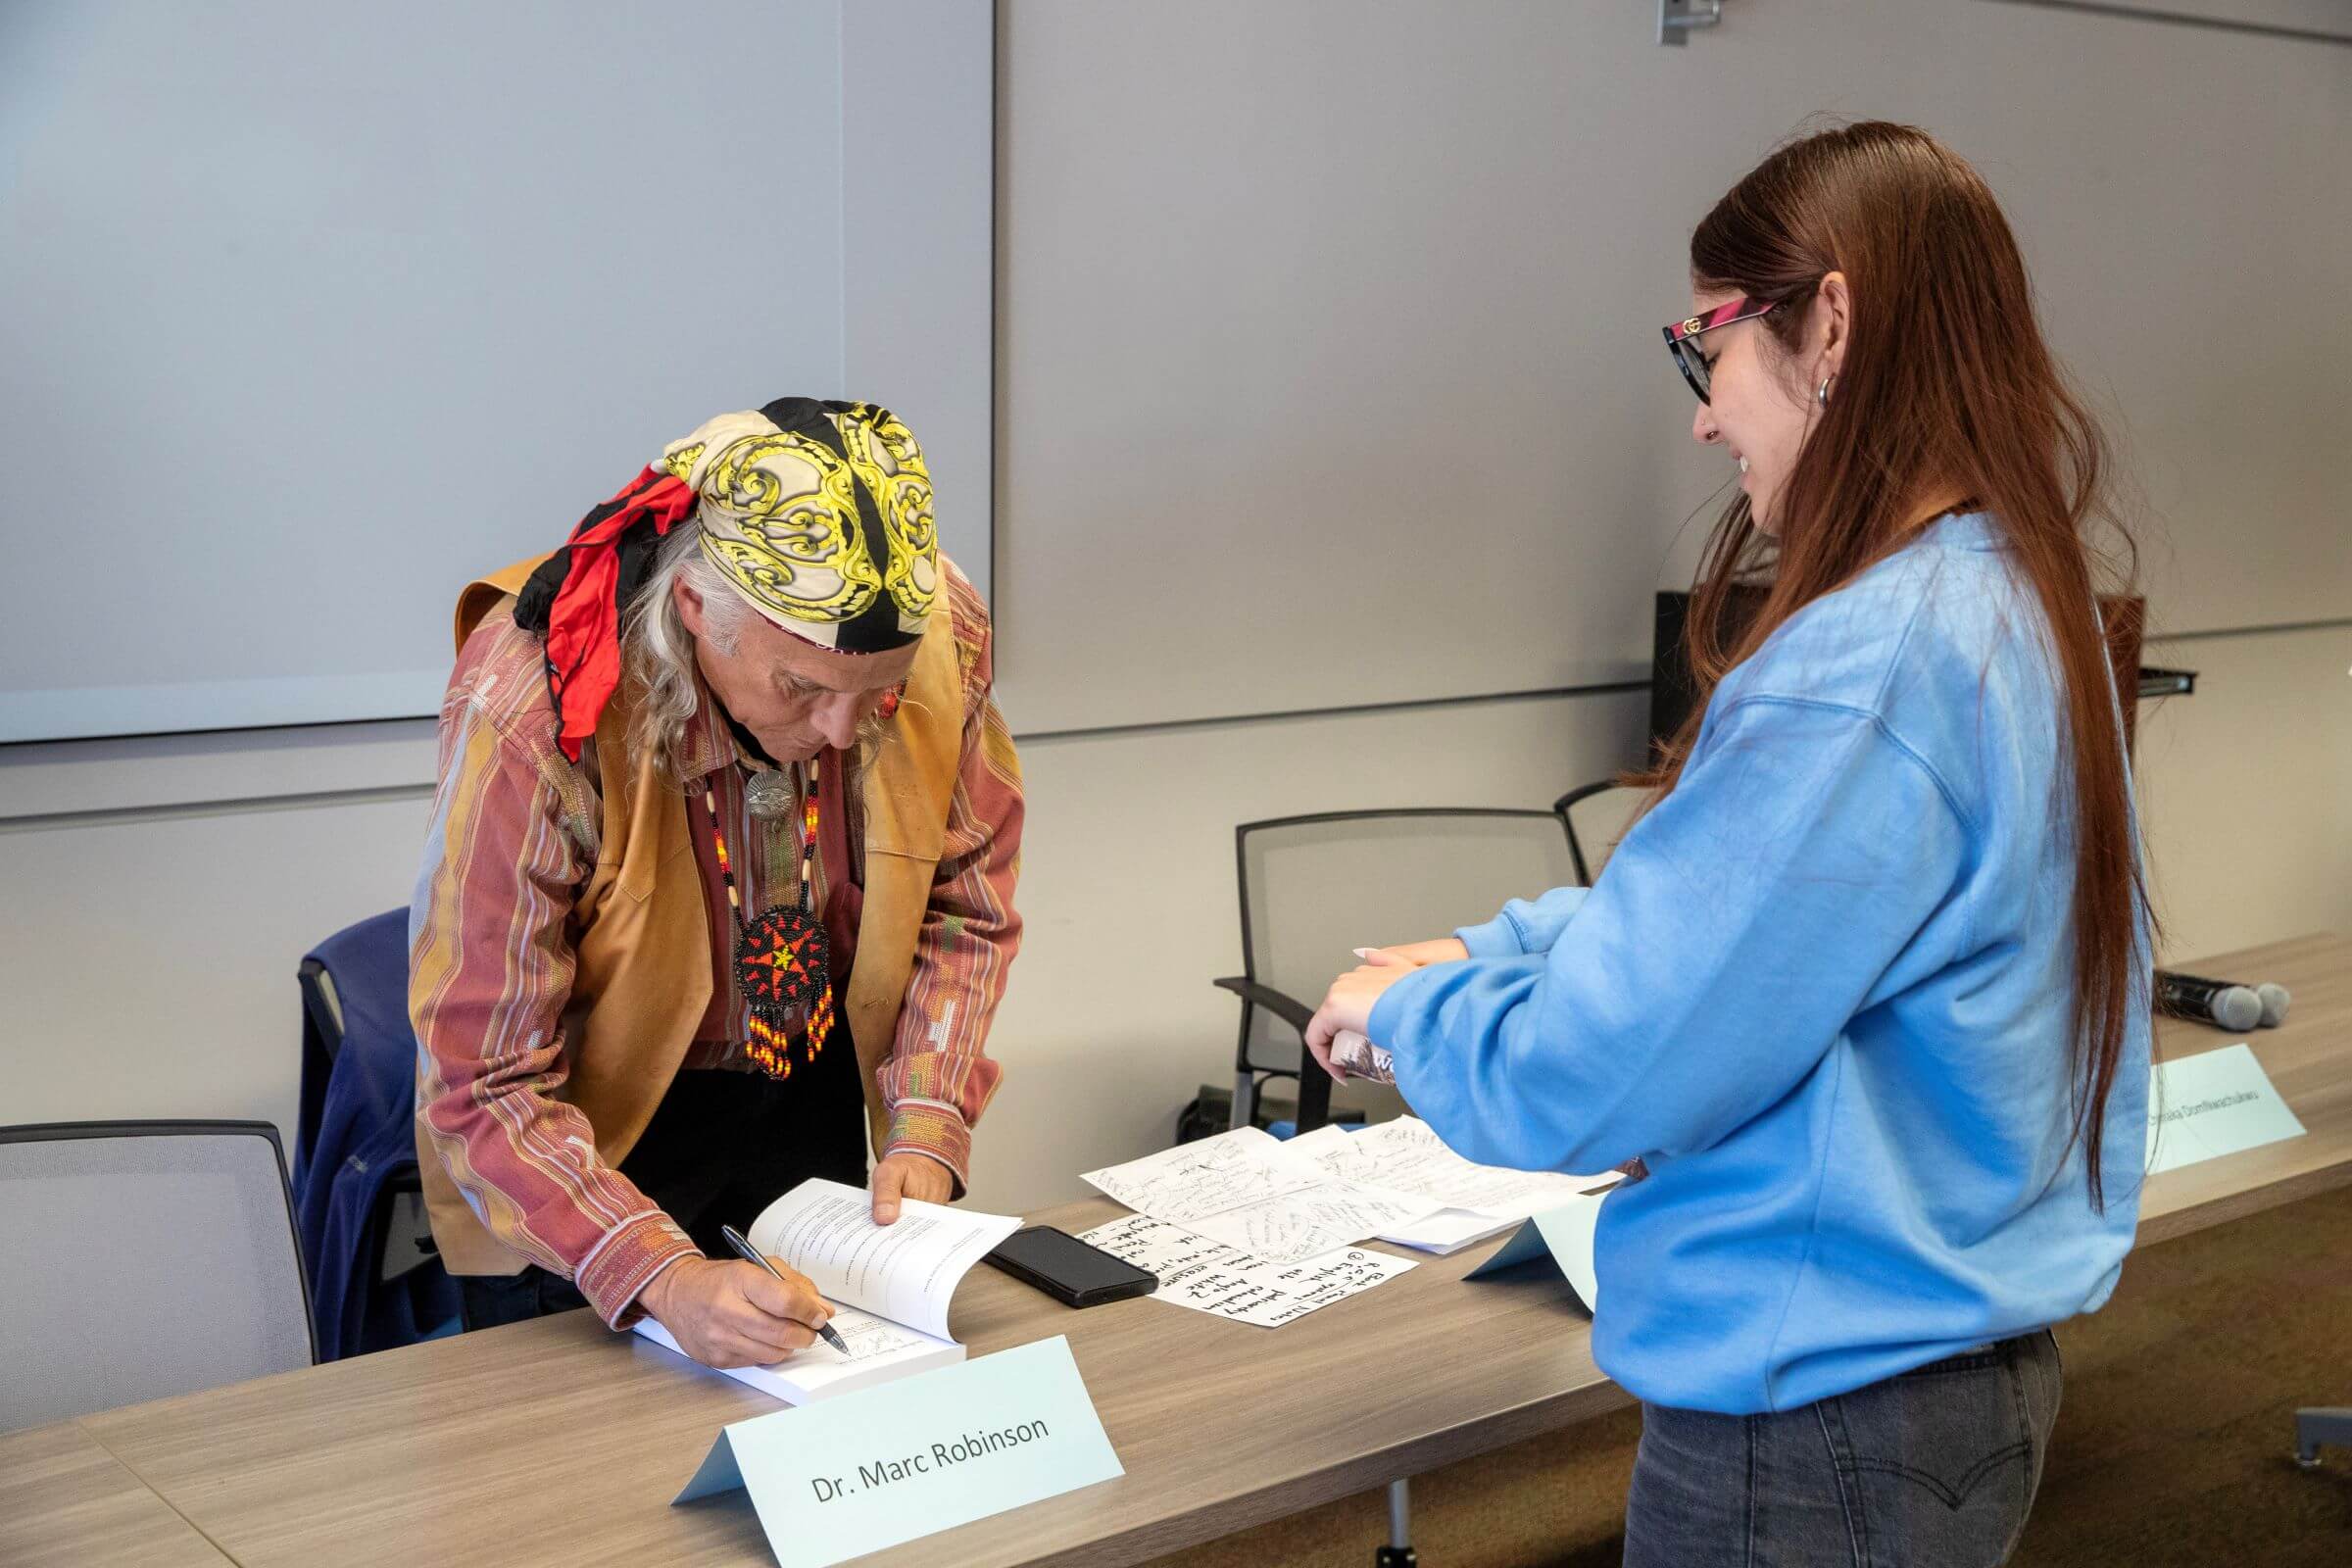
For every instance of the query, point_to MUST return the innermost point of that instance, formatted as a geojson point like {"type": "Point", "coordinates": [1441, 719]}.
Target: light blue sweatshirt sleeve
{"type": "Point", "coordinates": [1525, 926]}
{"type": "Point", "coordinates": [1739, 928]}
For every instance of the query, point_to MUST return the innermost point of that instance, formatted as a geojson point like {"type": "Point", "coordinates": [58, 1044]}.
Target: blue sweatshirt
{"type": "Point", "coordinates": [1824, 991]}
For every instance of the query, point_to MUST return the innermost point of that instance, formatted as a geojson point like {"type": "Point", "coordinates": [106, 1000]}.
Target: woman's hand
{"type": "Point", "coordinates": [1348, 1004]}
{"type": "Point", "coordinates": [916, 1176]}
{"type": "Point", "coordinates": [1420, 955]}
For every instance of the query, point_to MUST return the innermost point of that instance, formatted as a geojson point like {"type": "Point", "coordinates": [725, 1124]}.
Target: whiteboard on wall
{"type": "Point", "coordinates": [1328, 333]}
{"type": "Point", "coordinates": [310, 312]}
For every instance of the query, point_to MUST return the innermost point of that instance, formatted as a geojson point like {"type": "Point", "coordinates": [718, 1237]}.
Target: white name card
{"type": "Point", "coordinates": [852, 1475]}
{"type": "Point", "coordinates": [2213, 1104]}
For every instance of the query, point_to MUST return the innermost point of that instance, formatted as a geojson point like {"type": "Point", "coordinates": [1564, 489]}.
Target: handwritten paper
{"type": "Point", "coordinates": [1247, 1189]}
{"type": "Point", "coordinates": [1291, 1227]}
{"type": "Point", "coordinates": [1406, 1156]}
{"type": "Point", "coordinates": [1194, 1181]}
{"type": "Point", "coordinates": [1209, 1276]}
{"type": "Point", "coordinates": [1288, 1201]}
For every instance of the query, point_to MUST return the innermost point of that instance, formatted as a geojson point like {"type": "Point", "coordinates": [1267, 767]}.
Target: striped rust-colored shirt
{"type": "Point", "coordinates": [514, 837]}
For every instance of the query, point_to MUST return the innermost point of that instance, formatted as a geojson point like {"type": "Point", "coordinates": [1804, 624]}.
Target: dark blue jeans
{"type": "Point", "coordinates": [1932, 1469]}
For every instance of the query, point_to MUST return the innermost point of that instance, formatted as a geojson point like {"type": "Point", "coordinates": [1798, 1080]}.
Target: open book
{"type": "Point", "coordinates": [890, 1286]}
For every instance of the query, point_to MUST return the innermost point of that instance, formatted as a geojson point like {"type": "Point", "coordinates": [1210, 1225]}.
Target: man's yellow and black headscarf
{"type": "Point", "coordinates": [817, 512]}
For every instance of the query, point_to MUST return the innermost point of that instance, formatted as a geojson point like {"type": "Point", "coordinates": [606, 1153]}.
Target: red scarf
{"type": "Point", "coordinates": [583, 626]}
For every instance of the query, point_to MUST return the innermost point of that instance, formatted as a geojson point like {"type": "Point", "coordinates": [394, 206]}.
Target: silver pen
{"type": "Point", "coordinates": [753, 1254]}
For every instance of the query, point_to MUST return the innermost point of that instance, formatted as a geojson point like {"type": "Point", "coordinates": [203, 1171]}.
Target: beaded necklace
{"type": "Point", "coordinates": [782, 957]}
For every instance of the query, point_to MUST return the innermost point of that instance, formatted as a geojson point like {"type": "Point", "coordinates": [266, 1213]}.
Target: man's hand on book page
{"type": "Point", "coordinates": [733, 1314]}
{"type": "Point", "coordinates": [916, 1176]}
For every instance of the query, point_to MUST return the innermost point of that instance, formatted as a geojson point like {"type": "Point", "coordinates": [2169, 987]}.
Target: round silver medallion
{"type": "Point", "coordinates": [768, 792]}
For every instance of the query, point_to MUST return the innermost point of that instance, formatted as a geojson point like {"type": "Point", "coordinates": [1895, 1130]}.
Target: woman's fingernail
{"type": "Point", "coordinates": [1363, 953]}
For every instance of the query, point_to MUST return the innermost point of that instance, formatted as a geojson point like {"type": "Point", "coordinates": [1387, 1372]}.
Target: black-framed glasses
{"type": "Point", "coordinates": [1682, 338]}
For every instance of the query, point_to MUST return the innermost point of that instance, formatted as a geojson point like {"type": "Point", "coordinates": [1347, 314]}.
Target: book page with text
{"type": "Point", "coordinates": [907, 1271]}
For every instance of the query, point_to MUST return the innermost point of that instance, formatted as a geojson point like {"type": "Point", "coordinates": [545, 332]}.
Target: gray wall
{"type": "Point", "coordinates": [311, 311]}
{"type": "Point", "coordinates": [1330, 368]}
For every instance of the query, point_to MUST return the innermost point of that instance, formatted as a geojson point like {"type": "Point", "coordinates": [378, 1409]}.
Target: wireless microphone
{"type": "Point", "coordinates": [2201, 1000]}
{"type": "Point", "coordinates": [2273, 999]}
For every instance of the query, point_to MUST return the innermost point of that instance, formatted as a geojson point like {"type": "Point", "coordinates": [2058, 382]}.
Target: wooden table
{"type": "Point", "coordinates": [65, 1499]}
{"type": "Point", "coordinates": [2309, 1058]}
{"type": "Point", "coordinates": [555, 1440]}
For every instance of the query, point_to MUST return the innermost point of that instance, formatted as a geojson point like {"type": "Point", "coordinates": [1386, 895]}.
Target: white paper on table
{"type": "Point", "coordinates": [1211, 1277]}
{"type": "Point", "coordinates": [1435, 1228]}
{"type": "Point", "coordinates": [1333, 1277]}
{"type": "Point", "coordinates": [906, 1271]}
{"type": "Point", "coordinates": [2213, 1104]}
{"type": "Point", "coordinates": [1209, 1176]}
{"type": "Point", "coordinates": [879, 1351]}
{"type": "Point", "coordinates": [1291, 1227]}
{"type": "Point", "coordinates": [1448, 1231]}
{"type": "Point", "coordinates": [1406, 1156]}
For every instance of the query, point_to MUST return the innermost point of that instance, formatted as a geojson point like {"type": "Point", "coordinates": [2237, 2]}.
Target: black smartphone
{"type": "Point", "coordinates": [1073, 1272]}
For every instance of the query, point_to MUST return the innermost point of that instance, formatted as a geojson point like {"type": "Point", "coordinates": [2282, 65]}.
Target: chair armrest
{"type": "Point", "coordinates": [1583, 793]}
{"type": "Point", "coordinates": [1314, 1087]}
{"type": "Point", "coordinates": [1288, 1008]}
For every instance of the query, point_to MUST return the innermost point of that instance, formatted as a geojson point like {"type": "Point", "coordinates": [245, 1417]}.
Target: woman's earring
{"type": "Point", "coordinates": [1821, 393]}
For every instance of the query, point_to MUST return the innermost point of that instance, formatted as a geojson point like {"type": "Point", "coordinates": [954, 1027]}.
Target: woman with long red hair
{"type": "Point", "coordinates": [1866, 988]}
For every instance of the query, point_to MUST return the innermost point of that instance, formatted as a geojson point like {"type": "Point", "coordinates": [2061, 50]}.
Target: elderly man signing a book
{"type": "Point", "coordinates": [719, 881]}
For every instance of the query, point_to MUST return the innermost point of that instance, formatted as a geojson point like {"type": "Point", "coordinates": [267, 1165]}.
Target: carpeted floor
{"type": "Point", "coordinates": [2174, 1445]}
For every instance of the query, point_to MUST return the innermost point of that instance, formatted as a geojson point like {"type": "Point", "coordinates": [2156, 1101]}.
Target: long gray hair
{"type": "Point", "coordinates": [657, 651]}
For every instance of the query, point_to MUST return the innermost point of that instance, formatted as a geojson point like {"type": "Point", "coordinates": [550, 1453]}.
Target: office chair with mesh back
{"type": "Point", "coordinates": [1315, 888]}
{"type": "Point", "coordinates": [148, 1258]}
